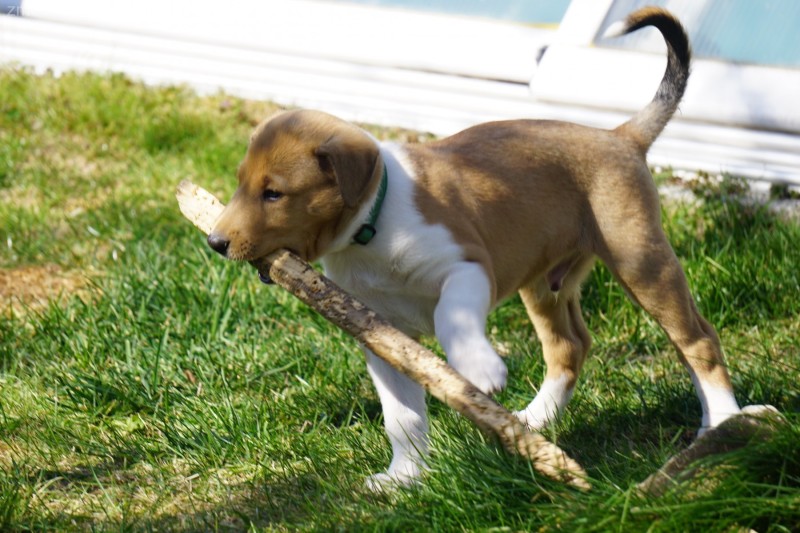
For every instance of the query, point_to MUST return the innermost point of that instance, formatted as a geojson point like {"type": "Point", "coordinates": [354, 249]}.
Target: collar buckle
{"type": "Point", "coordinates": [364, 234]}
{"type": "Point", "coordinates": [367, 230]}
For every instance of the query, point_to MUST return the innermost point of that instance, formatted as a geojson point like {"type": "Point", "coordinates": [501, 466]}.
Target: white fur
{"type": "Point", "coordinates": [718, 403]}
{"type": "Point", "coordinates": [460, 321]}
{"type": "Point", "coordinates": [414, 274]}
{"type": "Point", "coordinates": [615, 29]}
{"type": "Point", "coordinates": [551, 399]}
{"type": "Point", "coordinates": [401, 271]}
{"type": "Point", "coordinates": [403, 402]}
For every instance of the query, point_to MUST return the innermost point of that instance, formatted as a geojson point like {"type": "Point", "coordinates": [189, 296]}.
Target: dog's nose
{"type": "Point", "coordinates": [218, 243]}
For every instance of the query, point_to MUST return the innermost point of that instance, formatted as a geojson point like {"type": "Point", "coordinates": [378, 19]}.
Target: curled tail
{"type": "Point", "coordinates": [648, 123]}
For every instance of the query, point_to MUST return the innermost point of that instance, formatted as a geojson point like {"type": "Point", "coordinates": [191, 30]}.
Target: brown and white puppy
{"type": "Point", "coordinates": [518, 206]}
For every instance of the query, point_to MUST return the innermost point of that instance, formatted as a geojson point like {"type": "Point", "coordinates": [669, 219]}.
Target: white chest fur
{"type": "Point", "coordinates": [401, 271]}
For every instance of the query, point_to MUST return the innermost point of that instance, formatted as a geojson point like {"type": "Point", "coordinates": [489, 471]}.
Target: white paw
{"type": "Point", "coordinates": [404, 471]}
{"type": "Point", "coordinates": [717, 420]}
{"type": "Point", "coordinates": [385, 482]}
{"type": "Point", "coordinates": [756, 411]}
{"type": "Point", "coordinates": [481, 366]}
{"type": "Point", "coordinates": [551, 399]}
{"type": "Point", "coordinates": [533, 421]}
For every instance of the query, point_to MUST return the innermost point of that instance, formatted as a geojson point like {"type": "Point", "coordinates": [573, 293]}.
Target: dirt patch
{"type": "Point", "coordinates": [21, 198]}
{"type": "Point", "coordinates": [33, 287]}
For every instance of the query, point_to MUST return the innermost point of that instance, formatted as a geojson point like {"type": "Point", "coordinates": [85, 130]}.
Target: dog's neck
{"type": "Point", "coordinates": [367, 230]}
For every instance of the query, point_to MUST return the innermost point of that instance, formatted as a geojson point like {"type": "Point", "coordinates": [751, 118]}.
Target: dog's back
{"type": "Point", "coordinates": [553, 179]}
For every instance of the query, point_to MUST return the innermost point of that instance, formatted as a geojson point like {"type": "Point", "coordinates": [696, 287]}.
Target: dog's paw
{"type": "Point", "coordinates": [552, 398]}
{"type": "Point", "coordinates": [482, 367]}
{"type": "Point", "coordinates": [532, 420]}
{"type": "Point", "coordinates": [753, 411]}
{"type": "Point", "coordinates": [403, 472]}
{"type": "Point", "coordinates": [385, 483]}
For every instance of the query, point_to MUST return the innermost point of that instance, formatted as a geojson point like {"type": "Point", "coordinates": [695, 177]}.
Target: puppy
{"type": "Point", "coordinates": [433, 236]}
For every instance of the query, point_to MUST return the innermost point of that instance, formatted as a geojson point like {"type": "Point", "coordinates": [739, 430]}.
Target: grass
{"type": "Point", "coordinates": [146, 385]}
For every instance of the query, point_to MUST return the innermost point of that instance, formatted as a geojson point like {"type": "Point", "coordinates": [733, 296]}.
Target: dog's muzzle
{"type": "Point", "coordinates": [219, 244]}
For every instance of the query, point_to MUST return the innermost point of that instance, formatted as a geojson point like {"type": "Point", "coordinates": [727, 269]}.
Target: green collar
{"type": "Point", "coordinates": [367, 230]}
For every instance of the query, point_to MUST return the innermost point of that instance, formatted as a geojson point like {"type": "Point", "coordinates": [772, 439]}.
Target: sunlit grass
{"type": "Point", "coordinates": [168, 390]}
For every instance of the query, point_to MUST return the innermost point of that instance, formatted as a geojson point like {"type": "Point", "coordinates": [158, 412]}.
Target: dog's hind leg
{"type": "Point", "coordinates": [565, 343]}
{"type": "Point", "coordinates": [640, 256]}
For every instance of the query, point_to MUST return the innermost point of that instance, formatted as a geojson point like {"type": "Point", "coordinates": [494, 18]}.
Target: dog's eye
{"type": "Point", "coordinates": [271, 195]}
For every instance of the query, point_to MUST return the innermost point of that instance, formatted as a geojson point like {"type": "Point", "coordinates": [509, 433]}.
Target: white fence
{"type": "Point", "coordinates": [430, 72]}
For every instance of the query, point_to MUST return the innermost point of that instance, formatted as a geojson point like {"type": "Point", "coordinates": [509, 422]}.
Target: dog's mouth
{"type": "Point", "coordinates": [263, 272]}
{"type": "Point", "coordinates": [263, 269]}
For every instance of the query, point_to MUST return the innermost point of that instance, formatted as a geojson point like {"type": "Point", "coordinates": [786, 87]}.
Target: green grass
{"type": "Point", "coordinates": [168, 390]}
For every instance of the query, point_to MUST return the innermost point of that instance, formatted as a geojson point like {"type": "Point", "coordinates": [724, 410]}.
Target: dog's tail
{"type": "Point", "coordinates": [648, 123]}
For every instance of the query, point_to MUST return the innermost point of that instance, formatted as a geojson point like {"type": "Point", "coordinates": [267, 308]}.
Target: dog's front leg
{"type": "Point", "coordinates": [460, 324]}
{"type": "Point", "coordinates": [405, 420]}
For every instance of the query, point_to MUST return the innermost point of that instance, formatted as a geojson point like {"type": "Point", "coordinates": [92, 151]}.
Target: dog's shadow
{"type": "Point", "coordinates": [627, 442]}
{"type": "Point", "coordinates": [617, 445]}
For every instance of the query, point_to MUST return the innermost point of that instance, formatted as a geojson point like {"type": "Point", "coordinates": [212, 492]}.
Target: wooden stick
{"type": "Point", "coordinates": [396, 348]}
{"type": "Point", "coordinates": [755, 422]}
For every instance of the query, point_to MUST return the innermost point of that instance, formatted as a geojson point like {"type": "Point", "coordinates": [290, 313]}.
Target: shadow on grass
{"type": "Point", "coordinates": [618, 447]}
{"type": "Point", "coordinates": [621, 431]}
{"type": "Point", "coordinates": [296, 502]}
{"type": "Point", "coordinates": [624, 443]}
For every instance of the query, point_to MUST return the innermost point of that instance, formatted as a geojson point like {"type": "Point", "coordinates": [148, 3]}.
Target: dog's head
{"type": "Point", "coordinates": [303, 179]}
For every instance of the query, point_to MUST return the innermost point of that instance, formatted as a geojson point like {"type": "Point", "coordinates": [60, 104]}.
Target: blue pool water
{"type": "Point", "coordinates": [760, 32]}
{"type": "Point", "coordinates": [524, 11]}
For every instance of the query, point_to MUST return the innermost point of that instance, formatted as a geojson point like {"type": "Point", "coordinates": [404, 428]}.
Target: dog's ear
{"type": "Point", "coordinates": [352, 159]}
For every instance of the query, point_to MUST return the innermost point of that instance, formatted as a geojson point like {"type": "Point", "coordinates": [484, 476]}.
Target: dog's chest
{"type": "Point", "coordinates": [401, 279]}
{"type": "Point", "coordinates": [407, 307]}
{"type": "Point", "coordinates": [400, 273]}
{"type": "Point", "coordinates": [407, 303]}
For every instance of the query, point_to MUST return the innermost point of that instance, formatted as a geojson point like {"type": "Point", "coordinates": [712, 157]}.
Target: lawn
{"type": "Point", "coordinates": [146, 384]}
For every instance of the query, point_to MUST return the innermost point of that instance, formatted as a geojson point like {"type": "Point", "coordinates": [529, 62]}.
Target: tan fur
{"type": "Point", "coordinates": [533, 202]}
{"type": "Point", "coordinates": [322, 165]}
{"type": "Point", "coordinates": [520, 197]}
{"type": "Point", "coordinates": [524, 197]}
